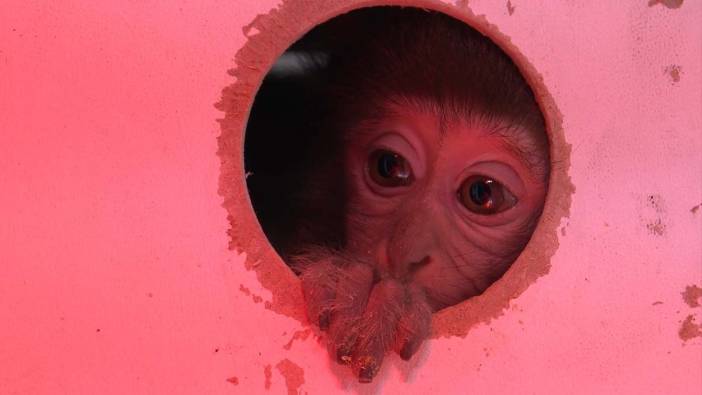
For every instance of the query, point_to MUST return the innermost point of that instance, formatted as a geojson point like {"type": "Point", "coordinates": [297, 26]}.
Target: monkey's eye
{"type": "Point", "coordinates": [484, 195]}
{"type": "Point", "coordinates": [389, 169]}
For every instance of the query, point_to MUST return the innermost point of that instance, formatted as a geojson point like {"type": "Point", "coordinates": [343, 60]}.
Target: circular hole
{"type": "Point", "coordinates": [403, 140]}
{"type": "Point", "coordinates": [394, 156]}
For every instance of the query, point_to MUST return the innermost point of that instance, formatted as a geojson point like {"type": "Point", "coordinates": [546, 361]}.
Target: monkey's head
{"type": "Point", "coordinates": [447, 205]}
{"type": "Point", "coordinates": [445, 155]}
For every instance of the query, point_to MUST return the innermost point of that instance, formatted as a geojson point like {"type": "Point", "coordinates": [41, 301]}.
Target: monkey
{"type": "Point", "coordinates": [407, 176]}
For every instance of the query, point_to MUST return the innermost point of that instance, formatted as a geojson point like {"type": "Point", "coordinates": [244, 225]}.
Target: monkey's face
{"type": "Point", "coordinates": [446, 206]}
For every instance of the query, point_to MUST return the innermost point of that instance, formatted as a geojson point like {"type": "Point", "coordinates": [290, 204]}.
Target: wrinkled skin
{"type": "Point", "coordinates": [415, 247]}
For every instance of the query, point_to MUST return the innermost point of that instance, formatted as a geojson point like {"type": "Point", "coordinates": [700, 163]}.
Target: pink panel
{"type": "Point", "coordinates": [115, 271]}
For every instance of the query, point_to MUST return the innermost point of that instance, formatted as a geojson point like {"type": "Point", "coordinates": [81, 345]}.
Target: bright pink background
{"type": "Point", "coordinates": [110, 218]}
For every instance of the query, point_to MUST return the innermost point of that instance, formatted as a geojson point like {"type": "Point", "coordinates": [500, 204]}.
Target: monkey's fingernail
{"type": "Point", "coordinates": [407, 351]}
{"type": "Point", "coordinates": [324, 318]}
{"type": "Point", "coordinates": [365, 375]}
{"type": "Point", "coordinates": [369, 368]}
{"type": "Point", "coordinates": [343, 355]}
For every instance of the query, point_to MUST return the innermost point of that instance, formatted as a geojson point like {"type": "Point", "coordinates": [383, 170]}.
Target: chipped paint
{"type": "Point", "coordinates": [672, 4]}
{"type": "Point", "coordinates": [691, 295]}
{"type": "Point", "coordinates": [267, 376]}
{"type": "Point", "coordinates": [689, 329]}
{"type": "Point", "coordinates": [674, 72]}
{"type": "Point", "coordinates": [654, 215]}
{"type": "Point", "coordinates": [298, 335]}
{"type": "Point", "coordinates": [293, 374]}
{"type": "Point", "coordinates": [255, 298]}
{"type": "Point", "coordinates": [657, 227]}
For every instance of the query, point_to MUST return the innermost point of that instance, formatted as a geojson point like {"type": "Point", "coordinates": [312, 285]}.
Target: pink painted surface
{"type": "Point", "coordinates": [115, 275]}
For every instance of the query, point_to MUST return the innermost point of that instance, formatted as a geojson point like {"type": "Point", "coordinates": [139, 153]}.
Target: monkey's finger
{"type": "Point", "coordinates": [352, 290]}
{"type": "Point", "coordinates": [414, 324]}
{"type": "Point", "coordinates": [319, 289]}
{"type": "Point", "coordinates": [379, 323]}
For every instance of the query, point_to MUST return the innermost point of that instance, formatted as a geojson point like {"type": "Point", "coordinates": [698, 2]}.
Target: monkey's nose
{"type": "Point", "coordinates": [401, 268]}
{"type": "Point", "coordinates": [414, 266]}
{"type": "Point", "coordinates": [408, 269]}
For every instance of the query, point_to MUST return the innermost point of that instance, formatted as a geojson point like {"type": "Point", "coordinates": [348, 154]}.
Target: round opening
{"type": "Point", "coordinates": [401, 139]}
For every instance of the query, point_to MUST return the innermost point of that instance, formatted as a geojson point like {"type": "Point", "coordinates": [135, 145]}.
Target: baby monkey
{"type": "Point", "coordinates": [424, 174]}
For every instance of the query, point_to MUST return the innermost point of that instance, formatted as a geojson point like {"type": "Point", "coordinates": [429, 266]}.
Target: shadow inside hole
{"type": "Point", "coordinates": [295, 144]}
{"type": "Point", "coordinates": [285, 150]}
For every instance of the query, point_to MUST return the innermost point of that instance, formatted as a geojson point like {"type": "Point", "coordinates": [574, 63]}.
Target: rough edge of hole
{"type": "Point", "coordinates": [276, 31]}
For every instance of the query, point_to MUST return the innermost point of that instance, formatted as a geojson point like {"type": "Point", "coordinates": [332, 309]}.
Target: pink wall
{"type": "Point", "coordinates": [115, 271]}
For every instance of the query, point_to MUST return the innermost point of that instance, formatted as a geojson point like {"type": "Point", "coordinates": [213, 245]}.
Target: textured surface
{"type": "Point", "coordinates": [115, 269]}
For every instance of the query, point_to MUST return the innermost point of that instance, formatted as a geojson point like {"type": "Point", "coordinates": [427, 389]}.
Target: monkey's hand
{"type": "Point", "coordinates": [363, 317]}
